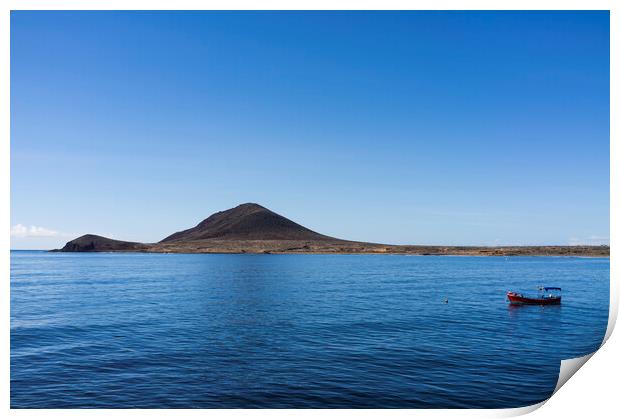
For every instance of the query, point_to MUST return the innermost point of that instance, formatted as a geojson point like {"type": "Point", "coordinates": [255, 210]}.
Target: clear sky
{"type": "Point", "coordinates": [470, 128]}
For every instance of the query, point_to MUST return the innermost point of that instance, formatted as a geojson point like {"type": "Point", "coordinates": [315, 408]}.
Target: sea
{"type": "Point", "coordinates": [137, 330]}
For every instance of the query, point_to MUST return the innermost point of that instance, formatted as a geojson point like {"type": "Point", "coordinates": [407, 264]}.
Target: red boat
{"type": "Point", "coordinates": [546, 295]}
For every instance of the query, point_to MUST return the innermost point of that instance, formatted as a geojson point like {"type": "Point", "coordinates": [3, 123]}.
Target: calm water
{"type": "Point", "coordinates": [167, 331]}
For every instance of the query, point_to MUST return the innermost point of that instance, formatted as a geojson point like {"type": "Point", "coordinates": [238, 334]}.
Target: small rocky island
{"type": "Point", "coordinates": [252, 228]}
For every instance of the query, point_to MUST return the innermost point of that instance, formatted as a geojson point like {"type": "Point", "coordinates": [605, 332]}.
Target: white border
{"type": "Point", "coordinates": [574, 400]}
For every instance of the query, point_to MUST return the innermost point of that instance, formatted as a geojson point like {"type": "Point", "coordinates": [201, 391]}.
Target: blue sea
{"type": "Point", "coordinates": [124, 330]}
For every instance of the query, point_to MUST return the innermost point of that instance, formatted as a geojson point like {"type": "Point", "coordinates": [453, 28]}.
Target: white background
{"type": "Point", "coordinates": [592, 393]}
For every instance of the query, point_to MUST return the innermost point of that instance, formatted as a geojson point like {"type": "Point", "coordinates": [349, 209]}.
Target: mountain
{"type": "Point", "coordinates": [252, 228]}
{"type": "Point", "coordinates": [94, 243]}
{"type": "Point", "coordinates": [246, 222]}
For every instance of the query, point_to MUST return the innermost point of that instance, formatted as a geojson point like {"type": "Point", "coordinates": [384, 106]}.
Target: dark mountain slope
{"type": "Point", "coordinates": [246, 222]}
{"type": "Point", "coordinates": [94, 243]}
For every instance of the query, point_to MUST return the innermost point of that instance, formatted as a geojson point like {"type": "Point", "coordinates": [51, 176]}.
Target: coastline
{"type": "Point", "coordinates": [269, 247]}
{"type": "Point", "coordinates": [252, 228]}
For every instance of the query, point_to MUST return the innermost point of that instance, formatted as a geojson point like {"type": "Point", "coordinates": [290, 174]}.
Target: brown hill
{"type": "Point", "coordinates": [246, 222]}
{"type": "Point", "coordinates": [94, 243]}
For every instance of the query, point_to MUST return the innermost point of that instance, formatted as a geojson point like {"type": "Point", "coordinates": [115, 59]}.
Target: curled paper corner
{"type": "Point", "coordinates": [568, 367]}
{"type": "Point", "coordinates": [520, 411]}
{"type": "Point", "coordinates": [613, 316]}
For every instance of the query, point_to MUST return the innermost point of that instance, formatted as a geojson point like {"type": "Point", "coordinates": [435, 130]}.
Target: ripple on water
{"type": "Point", "coordinates": [354, 331]}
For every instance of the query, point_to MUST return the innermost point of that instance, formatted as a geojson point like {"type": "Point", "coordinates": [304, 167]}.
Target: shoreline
{"type": "Point", "coordinates": [536, 251]}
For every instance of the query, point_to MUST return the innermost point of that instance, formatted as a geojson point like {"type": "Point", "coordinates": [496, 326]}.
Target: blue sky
{"type": "Point", "coordinates": [456, 128]}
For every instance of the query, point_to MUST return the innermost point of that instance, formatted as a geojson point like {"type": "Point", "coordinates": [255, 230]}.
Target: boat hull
{"type": "Point", "coordinates": [515, 298]}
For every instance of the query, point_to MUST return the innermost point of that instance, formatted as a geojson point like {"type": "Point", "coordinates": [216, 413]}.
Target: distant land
{"type": "Point", "coordinates": [252, 228]}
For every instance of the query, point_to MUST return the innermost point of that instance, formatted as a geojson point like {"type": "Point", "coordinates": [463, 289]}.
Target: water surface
{"type": "Point", "coordinates": [297, 331]}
